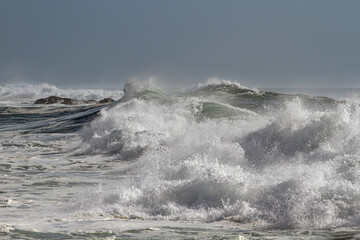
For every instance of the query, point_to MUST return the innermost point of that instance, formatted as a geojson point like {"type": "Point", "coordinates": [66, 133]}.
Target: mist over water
{"type": "Point", "coordinates": [216, 152]}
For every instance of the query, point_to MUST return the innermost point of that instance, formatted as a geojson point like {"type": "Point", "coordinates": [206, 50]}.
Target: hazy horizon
{"type": "Point", "coordinates": [102, 44]}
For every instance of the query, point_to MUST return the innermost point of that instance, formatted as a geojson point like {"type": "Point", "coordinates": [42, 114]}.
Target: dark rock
{"type": "Point", "coordinates": [54, 100]}
{"type": "Point", "coordinates": [106, 100]}
{"type": "Point", "coordinates": [68, 101]}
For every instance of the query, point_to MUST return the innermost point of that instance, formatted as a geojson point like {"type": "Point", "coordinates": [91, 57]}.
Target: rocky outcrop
{"type": "Point", "coordinates": [106, 100]}
{"type": "Point", "coordinates": [55, 100]}
{"type": "Point", "coordinates": [69, 101]}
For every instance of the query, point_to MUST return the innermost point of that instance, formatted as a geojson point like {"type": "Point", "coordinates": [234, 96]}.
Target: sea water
{"type": "Point", "coordinates": [217, 161]}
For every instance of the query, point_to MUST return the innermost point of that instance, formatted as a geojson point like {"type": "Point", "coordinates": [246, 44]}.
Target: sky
{"type": "Point", "coordinates": [258, 43]}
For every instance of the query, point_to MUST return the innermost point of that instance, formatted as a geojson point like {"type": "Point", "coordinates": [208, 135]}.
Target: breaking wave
{"type": "Point", "coordinates": [223, 151]}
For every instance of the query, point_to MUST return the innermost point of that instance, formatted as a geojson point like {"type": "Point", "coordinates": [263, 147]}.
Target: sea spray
{"type": "Point", "coordinates": [292, 164]}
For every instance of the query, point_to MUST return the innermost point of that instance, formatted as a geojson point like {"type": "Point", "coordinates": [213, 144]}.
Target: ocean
{"type": "Point", "coordinates": [217, 161]}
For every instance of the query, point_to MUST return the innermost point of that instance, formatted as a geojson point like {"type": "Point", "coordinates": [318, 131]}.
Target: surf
{"type": "Point", "coordinates": [220, 151]}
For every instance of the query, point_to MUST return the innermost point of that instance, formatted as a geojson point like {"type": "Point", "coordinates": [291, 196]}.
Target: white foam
{"type": "Point", "coordinates": [293, 167]}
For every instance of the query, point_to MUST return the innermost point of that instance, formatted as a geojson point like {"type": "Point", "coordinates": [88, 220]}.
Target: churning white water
{"type": "Point", "coordinates": [288, 167]}
{"type": "Point", "coordinates": [218, 153]}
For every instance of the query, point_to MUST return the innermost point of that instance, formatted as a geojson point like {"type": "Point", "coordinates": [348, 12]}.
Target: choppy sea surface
{"type": "Point", "coordinates": [218, 161]}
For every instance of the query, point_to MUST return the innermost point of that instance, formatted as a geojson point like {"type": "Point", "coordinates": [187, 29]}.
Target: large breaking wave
{"type": "Point", "coordinates": [223, 151]}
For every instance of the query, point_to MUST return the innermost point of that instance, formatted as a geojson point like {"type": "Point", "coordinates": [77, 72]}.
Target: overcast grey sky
{"type": "Point", "coordinates": [270, 43]}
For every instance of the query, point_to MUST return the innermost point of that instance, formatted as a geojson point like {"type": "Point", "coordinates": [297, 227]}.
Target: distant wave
{"type": "Point", "coordinates": [18, 92]}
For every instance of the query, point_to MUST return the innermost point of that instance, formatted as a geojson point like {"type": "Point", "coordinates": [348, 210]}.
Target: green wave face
{"type": "Point", "coordinates": [151, 95]}
{"type": "Point", "coordinates": [227, 100]}
{"type": "Point", "coordinates": [211, 110]}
